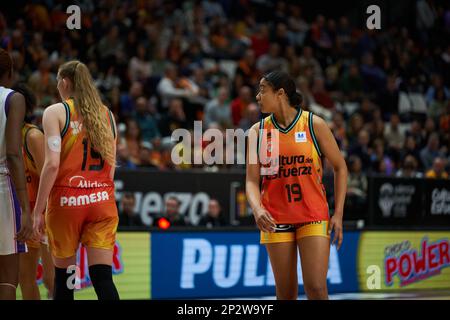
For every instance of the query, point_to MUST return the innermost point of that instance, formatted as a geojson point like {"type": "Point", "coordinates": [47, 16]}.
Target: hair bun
{"type": "Point", "coordinates": [296, 99]}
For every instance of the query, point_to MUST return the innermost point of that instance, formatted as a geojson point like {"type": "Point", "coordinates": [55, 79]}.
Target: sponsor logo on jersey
{"type": "Point", "coordinates": [84, 200]}
{"type": "Point", "coordinates": [81, 182]}
{"type": "Point", "coordinates": [300, 136]}
{"type": "Point", "coordinates": [76, 127]}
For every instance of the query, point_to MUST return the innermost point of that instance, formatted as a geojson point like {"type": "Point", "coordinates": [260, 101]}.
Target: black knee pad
{"type": "Point", "coordinates": [101, 277]}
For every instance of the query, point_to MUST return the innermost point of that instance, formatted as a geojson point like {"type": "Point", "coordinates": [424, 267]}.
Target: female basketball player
{"type": "Point", "coordinates": [33, 155]}
{"type": "Point", "coordinates": [79, 166]}
{"type": "Point", "coordinates": [290, 207]}
{"type": "Point", "coordinates": [13, 193]}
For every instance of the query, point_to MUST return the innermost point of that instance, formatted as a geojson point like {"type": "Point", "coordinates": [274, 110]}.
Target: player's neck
{"type": "Point", "coordinates": [285, 116]}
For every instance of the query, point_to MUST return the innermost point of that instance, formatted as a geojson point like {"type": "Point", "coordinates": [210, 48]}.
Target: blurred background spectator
{"type": "Point", "coordinates": [171, 214]}
{"type": "Point", "coordinates": [127, 216]}
{"type": "Point", "coordinates": [214, 216]}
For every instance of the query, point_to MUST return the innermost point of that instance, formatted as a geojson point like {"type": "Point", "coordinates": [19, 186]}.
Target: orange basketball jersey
{"type": "Point", "coordinates": [31, 171]}
{"type": "Point", "coordinates": [292, 189]}
{"type": "Point", "coordinates": [82, 169]}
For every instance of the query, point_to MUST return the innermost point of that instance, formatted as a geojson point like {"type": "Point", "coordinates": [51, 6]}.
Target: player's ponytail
{"type": "Point", "coordinates": [90, 106]}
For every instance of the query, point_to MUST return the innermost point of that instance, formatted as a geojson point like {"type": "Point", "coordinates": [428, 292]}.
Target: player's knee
{"type": "Point", "coordinates": [287, 293]}
{"type": "Point", "coordinates": [9, 276]}
{"type": "Point", "coordinates": [316, 291]}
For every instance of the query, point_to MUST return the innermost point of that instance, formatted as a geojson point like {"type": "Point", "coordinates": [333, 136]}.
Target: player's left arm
{"type": "Point", "coordinates": [329, 148]}
{"type": "Point", "coordinates": [52, 142]}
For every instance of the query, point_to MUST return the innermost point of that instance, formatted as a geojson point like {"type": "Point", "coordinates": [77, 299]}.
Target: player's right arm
{"type": "Point", "coordinates": [263, 218]}
{"type": "Point", "coordinates": [16, 167]}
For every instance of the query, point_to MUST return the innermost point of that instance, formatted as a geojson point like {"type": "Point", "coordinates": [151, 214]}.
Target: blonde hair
{"type": "Point", "coordinates": [89, 104]}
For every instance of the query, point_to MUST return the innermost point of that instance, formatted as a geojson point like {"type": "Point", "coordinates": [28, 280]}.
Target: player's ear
{"type": "Point", "coordinates": [65, 83]}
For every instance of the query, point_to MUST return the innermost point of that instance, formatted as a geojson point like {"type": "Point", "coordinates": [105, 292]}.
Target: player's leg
{"type": "Point", "coordinates": [27, 273]}
{"type": "Point", "coordinates": [99, 237]}
{"type": "Point", "coordinates": [282, 251]}
{"type": "Point", "coordinates": [63, 230]}
{"type": "Point", "coordinates": [65, 277]}
{"type": "Point", "coordinates": [314, 247]}
{"type": "Point", "coordinates": [9, 276]}
{"type": "Point", "coordinates": [49, 270]}
{"type": "Point", "coordinates": [100, 272]}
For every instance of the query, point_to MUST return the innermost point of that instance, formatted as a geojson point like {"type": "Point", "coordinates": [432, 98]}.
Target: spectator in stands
{"type": "Point", "coordinates": [239, 105]}
{"type": "Point", "coordinates": [416, 133]}
{"type": "Point", "coordinates": [171, 86]}
{"type": "Point", "coordinates": [372, 75]}
{"type": "Point", "coordinates": [145, 121]}
{"type": "Point", "coordinates": [128, 100]}
{"type": "Point", "coordinates": [219, 110]}
{"type": "Point", "coordinates": [381, 162]}
{"type": "Point", "coordinates": [123, 160]}
{"type": "Point", "coordinates": [251, 116]}
{"type": "Point", "coordinates": [388, 98]}
{"type": "Point", "coordinates": [132, 141]}
{"type": "Point", "coordinates": [436, 85]}
{"type": "Point", "coordinates": [174, 119]}
{"type": "Point", "coordinates": [213, 217]}
{"type": "Point", "coordinates": [308, 60]}
{"type": "Point", "coordinates": [339, 130]}
{"type": "Point", "coordinates": [145, 160]}
{"type": "Point", "coordinates": [429, 128]}
{"type": "Point", "coordinates": [272, 60]}
{"type": "Point", "coordinates": [140, 67]}
{"type": "Point", "coordinates": [430, 152]}
{"type": "Point", "coordinates": [410, 148]}
{"type": "Point", "coordinates": [393, 135]}
{"type": "Point", "coordinates": [361, 149]}
{"type": "Point", "coordinates": [438, 170]}
{"type": "Point", "coordinates": [351, 83]}
{"type": "Point", "coordinates": [127, 215]}
{"type": "Point", "coordinates": [357, 185]}
{"type": "Point", "coordinates": [438, 105]}
{"type": "Point", "coordinates": [321, 95]}
{"type": "Point", "coordinates": [43, 83]}
{"type": "Point", "coordinates": [172, 214]}
{"type": "Point", "coordinates": [409, 168]}
{"type": "Point", "coordinates": [247, 68]}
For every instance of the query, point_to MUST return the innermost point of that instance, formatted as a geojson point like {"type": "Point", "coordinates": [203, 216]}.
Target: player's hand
{"type": "Point", "coordinates": [39, 224]}
{"type": "Point", "coordinates": [264, 220]}
{"type": "Point", "coordinates": [336, 226]}
{"type": "Point", "coordinates": [26, 229]}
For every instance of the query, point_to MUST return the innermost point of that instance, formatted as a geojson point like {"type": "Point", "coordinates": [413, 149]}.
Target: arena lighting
{"type": "Point", "coordinates": [163, 223]}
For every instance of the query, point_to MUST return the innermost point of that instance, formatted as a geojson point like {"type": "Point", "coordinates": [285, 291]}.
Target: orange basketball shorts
{"type": "Point", "coordinates": [86, 216]}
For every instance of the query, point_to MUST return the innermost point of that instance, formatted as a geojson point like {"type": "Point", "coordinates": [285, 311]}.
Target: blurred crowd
{"type": "Point", "coordinates": [160, 65]}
